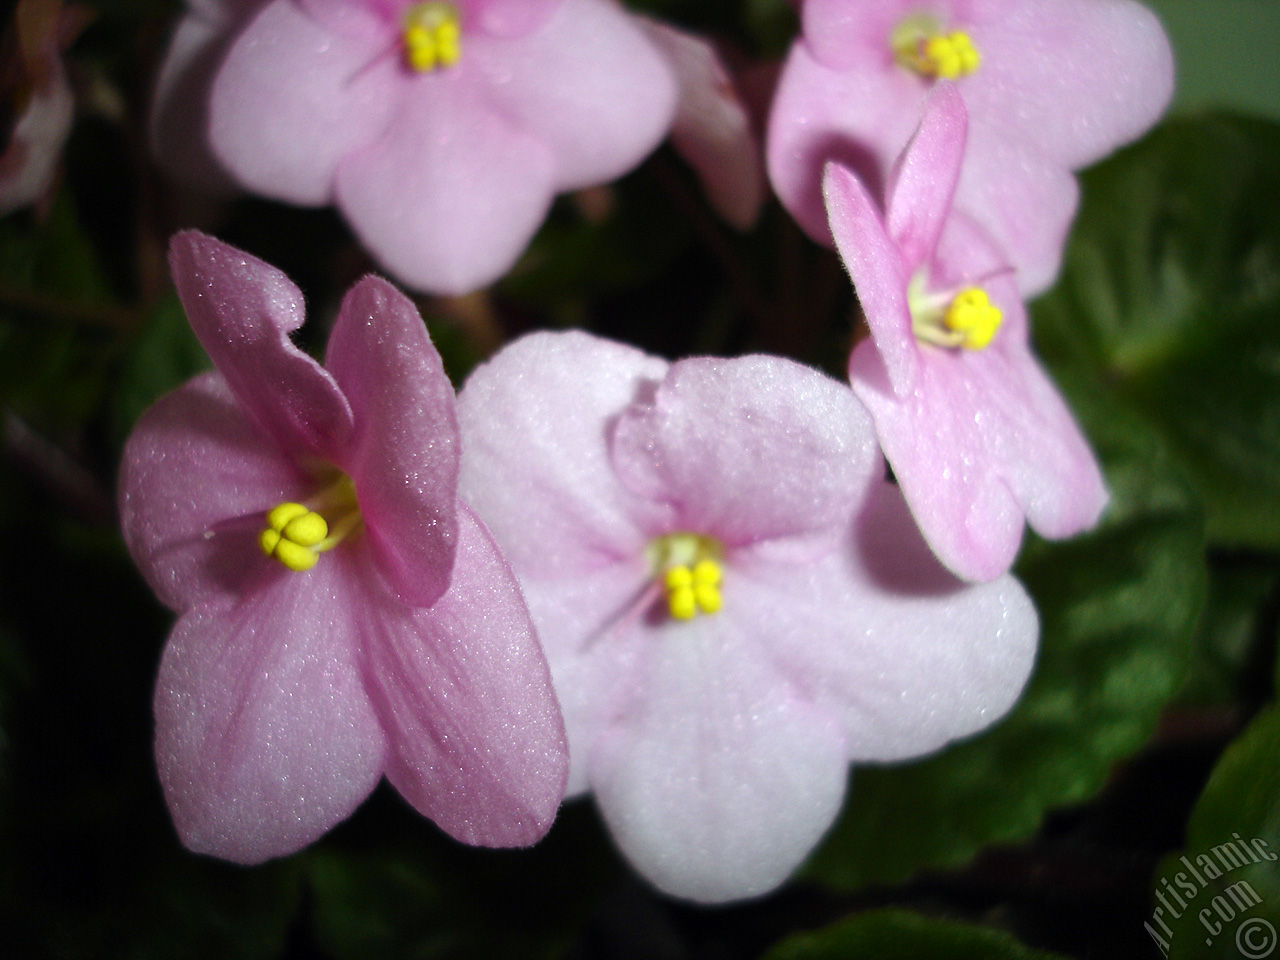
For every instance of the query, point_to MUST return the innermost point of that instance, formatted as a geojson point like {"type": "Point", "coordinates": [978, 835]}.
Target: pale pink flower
{"type": "Point", "coordinates": [1051, 85]}
{"type": "Point", "coordinates": [733, 602]}
{"type": "Point", "coordinates": [442, 130]}
{"type": "Point", "coordinates": [384, 635]}
{"type": "Point", "coordinates": [977, 435]}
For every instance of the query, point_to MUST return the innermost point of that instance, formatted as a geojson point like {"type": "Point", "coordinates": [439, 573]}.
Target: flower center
{"type": "Point", "coordinates": [432, 35]}
{"type": "Point", "coordinates": [920, 44]}
{"type": "Point", "coordinates": [964, 318]}
{"type": "Point", "coordinates": [296, 534]}
{"type": "Point", "coordinates": [688, 566]}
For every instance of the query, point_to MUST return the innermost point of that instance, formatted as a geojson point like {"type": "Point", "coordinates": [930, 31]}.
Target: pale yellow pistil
{"type": "Point", "coordinates": [690, 572]}
{"type": "Point", "coordinates": [920, 44]}
{"type": "Point", "coordinates": [965, 319]}
{"type": "Point", "coordinates": [432, 35]}
{"type": "Point", "coordinates": [296, 534]}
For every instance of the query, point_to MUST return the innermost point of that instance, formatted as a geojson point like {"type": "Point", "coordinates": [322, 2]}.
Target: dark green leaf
{"type": "Point", "coordinates": [1170, 297]}
{"type": "Point", "coordinates": [1234, 832]}
{"type": "Point", "coordinates": [1118, 608]}
{"type": "Point", "coordinates": [899, 935]}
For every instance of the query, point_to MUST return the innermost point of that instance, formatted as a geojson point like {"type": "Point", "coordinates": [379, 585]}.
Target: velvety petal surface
{"type": "Point", "coordinates": [720, 779]}
{"type": "Point", "coordinates": [909, 657]}
{"type": "Point", "coordinates": [243, 310]}
{"type": "Point", "coordinates": [193, 468]}
{"type": "Point", "coordinates": [476, 739]}
{"type": "Point", "coordinates": [265, 737]}
{"type": "Point", "coordinates": [923, 180]}
{"type": "Point", "coordinates": [588, 85]}
{"type": "Point", "coordinates": [879, 274]}
{"type": "Point", "coordinates": [294, 97]}
{"type": "Point", "coordinates": [511, 18]}
{"type": "Point", "coordinates": [840, 33]}
{"type": "Point", "coordinates": [449, 196]}
{"type": "Point", "coordinates": [1024, 200]}
{"type": "Point", "coordinates": [712, 128]}
{"type": "Point", "coordinates": [404, 452]}
{"type": "Point", "coordinates": [859, 117]}
{"type": "Point", "coordinates": [592, 626]}
{"type": "Point", "coordinates": [1076, 79]}
{"type": "Point", "coordinates": [552, 499]}
{"type": "Point", "coordinates": [745, 450]}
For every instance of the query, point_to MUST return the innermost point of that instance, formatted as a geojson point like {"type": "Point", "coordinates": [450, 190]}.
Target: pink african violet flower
{"type": "Point", "coordinates": [441, 130]}
{"type": "Point", "coordinates": [1051, 85]}
{"type": "Point", "coordinates": [977, 436]}
{"type": "Point", "coordinates": [733, 602]}
{"type": "Point", "coordinates": [406, 649]}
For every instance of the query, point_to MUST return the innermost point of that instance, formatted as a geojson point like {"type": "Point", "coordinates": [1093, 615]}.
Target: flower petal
{"type": "Point", "coordinates": [882, 636]}
{"type": "Point", "coordinates": [294, 97]}
{"type": "Point", "coordinates": [841, 33]}
{"type": "Point", "coordinates": [265, 737]}
{"type": "Point", "coordinates": [879, 274]}
{"type": "Point", "coordinates": [587, 622]}
{"type": "Point", "coordinates": [192, 466]}
{"type": "Point", "coordinates": [404, 454]}
{"type": "Point", "coordinates": [243, 310]}
{"type": "Point", "coordinates": [702, 443]}
{"type": "Point", "coordinates": [448, 198]}
{"type": "Point", "coordinates": [512, 18]}
{"type": "Point", "coordinates": [552, 500]}
{"type": "Point", "coordinates": [712, 127]}
{"type": "Point", "coordinates": [1024, 200]}
{"type": "Point", "coordinates": [718, 779]}
{"type": "Point", "coordinates": [923, 180]}
{"type": "Point", "coordinates": [859, 117]}
{"type": "Point", "coordinates": [589, 86]}
{"type": "Point", "coordinates": [477, 742]}
{"type": "Point", "coordinates": [1075, 79]}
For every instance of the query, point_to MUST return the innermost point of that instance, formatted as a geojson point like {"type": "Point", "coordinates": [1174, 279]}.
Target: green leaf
{"type": "Point", "coordinates": [1170, 298]}
{"type": "Point", "coordinates": [1118, 608]}
{"type": "Point", "coordinates": [899, 935]}
{"type": "Point", "coordinates": [1234, 625]}
{"type": "Point", "coordinates": [1234, 832]}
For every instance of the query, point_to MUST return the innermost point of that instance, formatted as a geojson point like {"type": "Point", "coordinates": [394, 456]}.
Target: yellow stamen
{"type": "Point", "coordinates": [972, 315]}
{"type": "Point", "coordinates": [920, 44]}
{"type": "Point", "coordinates": [432, 35]}
{"type": "Point", "coordinates": [689, 568]}
{"type": "Point", "coordinates": [296, 534]}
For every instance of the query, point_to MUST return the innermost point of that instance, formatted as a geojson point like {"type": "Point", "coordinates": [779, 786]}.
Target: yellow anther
{"type": "Point", "coordinates": [919, 43]}
{"type": "Point", "coordinates": [708, 597]}
{"type": "Point", "coordinates": [706, 573]}
{"type": "Point", "coordinates": [432, 35]}
{"type": "Point", "coordinates": [951, 56]}
{"type": "Point", "coordinates": [294, 535]}
{"type": "Point", "coordinates": [972, 314]}
{"type": "Point", "coordinates": [678, 578]}
{"type": "Point", "coordinates": [682, 603]}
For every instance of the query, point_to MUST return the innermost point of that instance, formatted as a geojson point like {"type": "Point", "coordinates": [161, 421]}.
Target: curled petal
{"type": "Point", "coordinates": [476, 739]}
{"type": "Point", "coordinates": [703, 442]}
{"type": "Point", "coordinates": [404, 452]}
{"type": "Point", "coordinates": [243, 310]}
{"type": "Point", "coordinates": [265, 737]}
